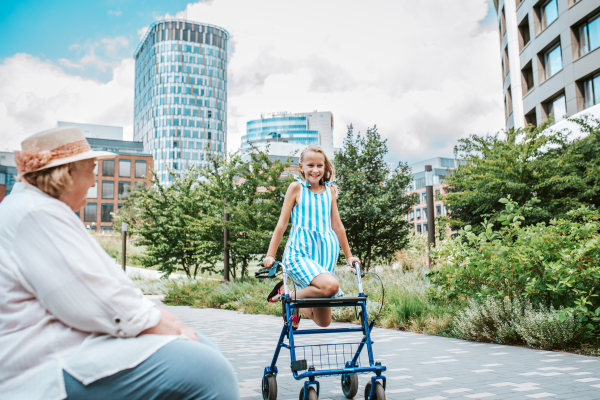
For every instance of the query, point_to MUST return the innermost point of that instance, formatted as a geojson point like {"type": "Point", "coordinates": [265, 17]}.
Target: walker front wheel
{"type": "Point", "coordinates": [350, 385]}
{"type": "Point", "coordinates": [378, 392]}
{"type": "Point", "coordinates": [269, 387]}
{"type": "Point", "coordinates": [310, 395]}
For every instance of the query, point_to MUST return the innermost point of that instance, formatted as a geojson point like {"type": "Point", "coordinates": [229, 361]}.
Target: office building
{"type": "Point", "coordinates": [284, 127]}
{"type": "Point", "coordinates": [180, 106]}
{"type": "Point", "coordinates": [115, 176]}
{"type": "Point", "coordinates": [8, 173]}
{"type": "Point", "coordinates": [417, 216]}
{"type": "Point", "coordinates": [550, 54]}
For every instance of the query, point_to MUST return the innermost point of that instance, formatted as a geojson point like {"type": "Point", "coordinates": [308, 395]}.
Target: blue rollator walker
{"type": "Point", "coordinates": [341, 359]}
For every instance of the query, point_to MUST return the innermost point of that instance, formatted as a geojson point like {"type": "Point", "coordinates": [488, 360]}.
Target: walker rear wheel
{"type": "Point", "coordinates": [311, 395]}
{"type": "Point", "coordinates": [269, 387]}
{"type": "Point", "coordinates": [378, 393]}
{"type": "Point", "coordinates": [350, 385]}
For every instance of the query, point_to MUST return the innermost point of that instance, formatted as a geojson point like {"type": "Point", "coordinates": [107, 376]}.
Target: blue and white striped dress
{"type": "Point", "coordinates": [313, 247]}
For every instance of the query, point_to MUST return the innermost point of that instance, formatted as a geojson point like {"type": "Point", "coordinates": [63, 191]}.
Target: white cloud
{"type": "Point", "coordinates": [142, 32]}
{"type": "Point", "coordinates": [35, 94]}
{"type": "Point", "coordinates": [114, 12]}
{"type": "Point", "coordinates": [425, 72]}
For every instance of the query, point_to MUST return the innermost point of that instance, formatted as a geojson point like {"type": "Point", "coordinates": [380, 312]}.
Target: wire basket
{"type": "Point", "coordinates": [324, 357]}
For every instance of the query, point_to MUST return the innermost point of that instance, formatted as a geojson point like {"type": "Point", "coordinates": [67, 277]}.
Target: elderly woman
{"type": "Point", "coordinates": [72, 325]}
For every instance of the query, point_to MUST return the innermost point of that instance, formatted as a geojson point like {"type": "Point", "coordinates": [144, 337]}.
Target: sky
{"type": "Point", "coordinates": [426, 73]}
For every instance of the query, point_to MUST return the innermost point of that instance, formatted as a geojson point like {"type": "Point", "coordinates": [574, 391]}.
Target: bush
{"type": "Point", "coordinates": [516, 322]}
{"type": "Point", "coordinates": [555, 265]}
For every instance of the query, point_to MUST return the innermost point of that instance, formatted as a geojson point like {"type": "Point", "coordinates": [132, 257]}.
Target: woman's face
{"type": "Point", "coordinates": [82, 173]}
{"type": "Point", "coordinates": [313, 166]}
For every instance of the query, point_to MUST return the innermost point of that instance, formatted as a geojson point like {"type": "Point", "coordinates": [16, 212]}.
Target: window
{"type": "Point", "coordinates": [506, 61]}
{"type": "Point", "coordinates": [96, 168]}
{"type": "Point", "coordinates": [424, 212]}
{"type": "Point", "coordinates": [558, 107]}
{"type": "Point", "coordinates": [124, 188]}
{"type": "Point", "coordinates": [424, 227]}
{"type": "Point", "coordinates": [125, 168]}
{"type": "Point", "coordinates": [140, 184]}
{"type": "Point", "coordinates": [424, 196]}
{"type": "Point", "coordinates": [549, 13]}
{"type": "Point", "coordinates": [552, 61]}
{"type": "Point", "coordinates": [105, 211]}
{"type": "Point", "coordinates": [508, 98]}
{"type": "Point", "coordinates": [89, 212]}
{"type": "Point", "coordinates": [591, 91]}
{"type": "Point", "coordinates": [448, 162]}
{"type": "Point", "coordinates": [93, 191]}
{"type": "Point", "coordinates": [524, 35]}
{"type": "Point", "coordinates": [437, 191]}
{"type": "Point", "coordinates": [2, 178]}
{"type": "Point", "coordinates": [527, 78]}
{"type": "Point", "coordinates": [140, 169]}
{"type": "Point", "coordinates": [108, 190]}
{"type": "Point", "coordinates": [438, 210]}
{"type": "Point", "coordinates": [418, 228]}
{"type": "Point", "coordinates": [589, 36]}
{"type": "Point", "coordinates": [503, 21]}
{"type": "Point", "coordinates": [531, 118]}
{"type": "Point", "coordinates": [412, 215]}
{"type": "Point", "coordinates": [108, 167]}
{"type": "Point", "coordinates": [418, 214]}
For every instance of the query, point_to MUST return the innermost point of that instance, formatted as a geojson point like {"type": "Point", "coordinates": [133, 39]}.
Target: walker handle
{"type": "Point", "coordinates": [359, 275]}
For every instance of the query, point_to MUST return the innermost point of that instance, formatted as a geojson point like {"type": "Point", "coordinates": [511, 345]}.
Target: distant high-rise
{"type": "Point", "coordinates": [180, 106]}
{"type": "Point", "coordinates": [550, 53]}
{"type": "Point", "coordinates": [283, 127]}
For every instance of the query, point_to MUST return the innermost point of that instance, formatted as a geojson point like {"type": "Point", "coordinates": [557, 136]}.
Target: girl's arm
{"type": "Point", "coordinates": [340, 231]}
{"type": "Point", "coordinates": [284, 218]}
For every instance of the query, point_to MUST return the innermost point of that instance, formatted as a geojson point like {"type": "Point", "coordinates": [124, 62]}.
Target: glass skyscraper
{"type": "Point", "coordinates": [180, 107]}
{"type": "Point", "coordinates": [300, 128]}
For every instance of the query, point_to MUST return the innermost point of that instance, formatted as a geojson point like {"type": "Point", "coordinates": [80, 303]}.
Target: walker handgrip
{"type": "Point", "coordinates": [359, 275]}
{"type": "Point", "coordinates": [268, 272]}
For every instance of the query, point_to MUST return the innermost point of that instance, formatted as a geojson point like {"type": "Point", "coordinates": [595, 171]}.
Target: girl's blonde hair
{"type": "Point", "coordinates": [55, 181]}
{"type": "Point", "coordinates": [329, 174]}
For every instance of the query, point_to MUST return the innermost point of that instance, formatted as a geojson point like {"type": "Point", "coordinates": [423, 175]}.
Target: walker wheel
{"type": "Point", "coordinates": [378, 393]}
{"type": "Point", "coordinates": [311, 395]}
{"type": "Point", "coordinates": [269, 387]}
{"type": "Point", "coordinates": [350, 385]}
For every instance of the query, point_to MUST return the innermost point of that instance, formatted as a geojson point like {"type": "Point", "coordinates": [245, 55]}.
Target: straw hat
{"type": "Point", "coordinates": [57, 146]}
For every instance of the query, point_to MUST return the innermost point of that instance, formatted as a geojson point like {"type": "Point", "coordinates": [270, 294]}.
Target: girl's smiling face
{"type": "Point", "coordinates": [313, 167]}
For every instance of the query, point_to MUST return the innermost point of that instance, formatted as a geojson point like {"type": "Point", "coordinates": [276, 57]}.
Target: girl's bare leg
{"type": "Point", "coordinates": [324, 285]}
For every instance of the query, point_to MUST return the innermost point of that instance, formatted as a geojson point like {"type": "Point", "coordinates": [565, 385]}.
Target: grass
{"type": "Point", "coordinates": [406, 306]}
{"type": "Point", "coordinates": [113, 245]}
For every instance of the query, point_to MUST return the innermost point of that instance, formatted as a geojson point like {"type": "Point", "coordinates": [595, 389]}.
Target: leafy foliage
{"type": "Point", "coordinates": [528, 163]}
{"type": "Point", "coordinates": [555, 264]}
{"type": "Point", "coordinates": [372, 202]}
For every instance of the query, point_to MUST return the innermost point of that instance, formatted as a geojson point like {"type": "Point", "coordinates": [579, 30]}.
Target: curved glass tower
{"type": "Point", "coordinates": [180, 106]}
{"type": "Point", "coordinates": [292, 129]}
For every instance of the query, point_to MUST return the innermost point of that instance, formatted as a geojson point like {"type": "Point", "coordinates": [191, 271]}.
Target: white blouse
{"type": "Point", "coordinates": [64, 303]}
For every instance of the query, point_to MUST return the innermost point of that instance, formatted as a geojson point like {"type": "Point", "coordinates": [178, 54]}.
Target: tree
{"type": "Point", "coordinates": [170, 221]}
{"type": "Point", "coordinates": [255, 189]}
{"type": "Point", "coordinates": [528, 163]}
{"type": "Point", "coordinates": [372, 203]}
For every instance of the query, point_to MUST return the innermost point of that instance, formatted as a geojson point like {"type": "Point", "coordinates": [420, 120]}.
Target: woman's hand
{"type": "Point", "coordinates": [268, 261]}
{"type": "Point", "coordinates": [352, 260]}
{"type": "Point", "coordinates": [169, 324]}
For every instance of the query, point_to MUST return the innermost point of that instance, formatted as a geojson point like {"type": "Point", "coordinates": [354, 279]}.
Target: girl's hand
{"type": "Point", "coordinates": [352, 260]}
{"type": "Point", "coordinates": [268, 261]}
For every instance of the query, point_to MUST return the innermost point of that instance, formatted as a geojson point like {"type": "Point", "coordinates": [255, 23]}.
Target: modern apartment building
{"type": "Point", "coordinates": [114, 177]}
{"type": "Point", "coordinates": [286, 133]}
{"type": "Point", "coordinates": [417, 216]}
{"type": "Point", "coordinates": [180, 106]}
{"type": "Point", "coordinates": [8, 173]}
{"type": "Point", "coordinates": [550, 51]}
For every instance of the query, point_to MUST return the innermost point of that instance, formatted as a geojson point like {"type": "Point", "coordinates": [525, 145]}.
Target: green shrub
{"type": "Point", "coordinates": [555, 265]}
{"type": "Point", "coordinates": [516, 321]}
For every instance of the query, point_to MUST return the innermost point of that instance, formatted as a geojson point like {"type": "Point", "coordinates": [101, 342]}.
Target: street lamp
{"type": "Point", "coordinates": [430, 210]}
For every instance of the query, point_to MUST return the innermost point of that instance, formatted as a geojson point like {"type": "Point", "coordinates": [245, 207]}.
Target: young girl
{"type": "Point", "coordinates": [312, 250]}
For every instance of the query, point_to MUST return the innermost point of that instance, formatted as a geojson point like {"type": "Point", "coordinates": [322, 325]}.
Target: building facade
{"type": "Point", "coordinates": [91, 131]}
{"type": "Point", "coordinates": [114, 179]}
{"type": "Point", "coordinates": [180, 106]}
{"type": "Point", "coordinates": [8, 173]}
{"type": "Point", "coordinates": [300, 129]}
{"type": "Point", "coordinates": [417, 216]}
{"type": "Point", "coordinates": [550, 54]}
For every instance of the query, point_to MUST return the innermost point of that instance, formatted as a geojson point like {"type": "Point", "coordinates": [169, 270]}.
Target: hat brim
{"type": "Point", "coordinates": [98, 155]}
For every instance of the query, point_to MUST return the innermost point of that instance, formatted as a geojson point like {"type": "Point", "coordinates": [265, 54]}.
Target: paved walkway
{"type": "Point", "coordinates": [419, 366]}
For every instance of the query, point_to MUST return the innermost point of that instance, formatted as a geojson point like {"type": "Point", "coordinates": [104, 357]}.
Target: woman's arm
{"type": "Point", "coordinates": [340, 232]}
{"type": "Point", "coordinates": [288, 204]}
